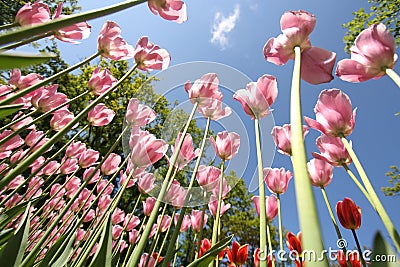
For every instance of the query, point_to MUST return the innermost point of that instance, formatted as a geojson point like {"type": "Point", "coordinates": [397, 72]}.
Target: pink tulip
{"type": "Point", "coordinates": [116, 231]}
{"type": "Point", "coordinates": [16, 182]}
{"type": "Point", "coordinates": [117, 216]}
{"type": "Point", "coordinates": [134, 177]}
{"type": "Point", "coordinates": [75, 149]}
{"type": "Point", "coordinates": [146, 183]}
{"type": "Point", "coordinates": [316, 63]}
{"type": "Point", "coordinates": [186, 222]}
{"type": "Point", "coordinates": [36, 164]}
{"type": "Point", "coordinates": [333, 113]}
{"type": "Point", "coordinates": [33, 137]}
{"type": "Point", "coordinates": [101, 81]}
{"type": "Point", "coordinates": [175, 195]}
{"type": "Point", "coordinates": [71, 33]}
{"type": "Point", "coordinates": [57, 190]}
{"type": "Point", "coordinates": [100, 115]}
{"type": "Point", "coordinates": [212, 108]}
{"type": "Point", "coordinates": [151, 262]}
{"type": "Point", "coordinates": [146, 149]}
{"type": "Point", "coordinates": [110, 165]}
{"type": "Point", "coordinates": [72, 186]}
{"type": "Point", "coordinates": [225, 189]}
{"type": "Point", "coordinates": [332, 150]}
{"type": "Point", "coordinates": [53, 167]}
{"type": "Point", "coordinates": [226, 145]}
{"type": "Point", "coordinates": [373, 52]}
{"type": "Point", "coordinates": [138, 115]}
{"type": "Point", "coordinates": [213, 206]}
{"type": "Point", "coordinates": [165, 222]}
{"type": "Point", "coordinates": [186, 153]}
{"type": "Point", "coordinates": [89, 216]}
{"type": "Point", "coordinates": [282, 138]}
{"type": "Point", "coordinates": [6, 147]}
{"type": "Point", "coordinates": [88, 158]}
{"type": "Point", "coordinates": [22, 82]}
{"type": "Point", "coordinates": [204, 89]}
{"type": "Point", "coordinates": [109, 187]}
{"type": "Point", "coordinates": [174, 10]}
{"type": "Point", "coordinates": [148, 205]}
{"type": "Point", "coordinates": [47, 99]}
{"type": "Point", "coordinates": [69, 166]}
{"type": "Point", "coordinates": [277, 180]}
{"type": "Point", "coordinates": [208, 177]}
{"type": "Point", "coordinates": [36, 13]}
{"type": "Point", "coordinates": [149, 56]}
{"type": "Point", "coordinates": [271, 206]}
{"type": "Point", "coordinates": [88, 174]}
{"type": "Point", "coordinates": [22, 123]}
{"type": "Point", "coordinates": [61, 118]}
{"type": "Point", "coordinates": [132, 223]}
{"type": "Point", "coordinates": [320, 172]}
{"type": "Point", "coordinates": [104, 202]}
{"type": "Point", "coordinates": [110, 43]}
{"type": "Point", "coordinates": [133, 236]}
{"type": "Point", "coordinates": [258, 96]}
{"type": "Point", "coordinates": [195, 218]}
{"type": "Point", "coordinates": [17, 155]}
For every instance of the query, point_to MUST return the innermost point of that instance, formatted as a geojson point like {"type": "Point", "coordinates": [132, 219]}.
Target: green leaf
{"type": "Point", "coordinates": [5, 235]}
{"type": "Point", "coordinates": [15, 248]}
{"type": "Point", "coordinates": [9, 60]}
{"type": "Point", "coordinates": [382, 253]}
{"type": "Point", "coordinates": [9, 109]}
{"type": "Point", "coordinates": [10, 214]}
{"type": "Point", "coordinates": [103, 256]}
{"type": "Point", "coordinates": [213, 252]}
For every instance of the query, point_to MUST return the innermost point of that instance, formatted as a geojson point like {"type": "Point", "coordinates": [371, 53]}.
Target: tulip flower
{"type": "Point", "coordinates": [146, 183]}
{"type": "Point", "coordinates": [282, 138]}
{"type": "Point", "coordinates": [226, 145]}
{"type": "Point", "coordinates": [117, 216]}
{"type": "Point", "coordinates": [94, 177]}
{"type": "Point", "coordinates": [36, 13]}
{"type": "Point", "coordinates": [71, 33]}
{"type": "Point", "coordinates": [332, 150]}
{"type": "Point", "coordinates": [133, 236]}
{"type": "Point", "coordinates": [205, 245]}
{"type": "Point", "coordinates": [22, 123]}
{"type": "Point", "coordinates": [146, 149]}
{"type": "Point", "coordinates": [237, 255]}
{"type": "Point", "coordinates": [69, 166]}
{"type": "Point", "coordinates": [277, 180]}
{"type": "Point", "coordinates": [60, 119]}
{"type": "Point", "coordinates": [148, 261]}
{"type": "Point", "coordinates": [100, 81]}
{"type": "Point", "coordinates": [22, 82]}
{"type": "Point", "coordinates": [186, 153]}
{"type": "Point", "coordinates": [110, 165]}
{"type": "Point", "coordinates": [333, 113]}
{"type": "Point", "coordinates": [271, 206]}
{"type": "Point", "coordinates": [372, 53]}
{"type": "Point", "coordinates": [316, 63]}
{"type": "Point", "coordinates": [148, 205]}
{"type": "Point", "coordinates": [208, 177]}
{"type": "Point", "coordinates": [203, 89]}
{"type": "Point", "coordinates": [47, 98]}
{"type": "Point", "coordinates": [213, 206]}
{"type": "Point", "coordinates": [75, 149]}
{"type": "Point", "coordinates": [353, 257]}
{"type": "Point", "coordinates": [186, 223]}
{"type": "Point", "coordinates": [349, 214]}
{"type": "Point", "coordinates": [111, 45]}
{"type": "Point", "coordinates": [173, 10]}
{"type": "Point", "coordinates": [88, 158]}
{"type": "Point", "coordinates": [320, 172]}
{"type": "Point", "coordinates": [164, 221]}
{"type": "Point", "coordinates": [102, 184]}
{"type": "Point", "coordinates": [195, 218]}
{"type": "Point", "coordinates": [258, 96]}
{"type": "Point", "coordinates": [149, 56]}
{"type": "Point", "coordinates": [138, 115]}
{"type": "Point", "coordinates": [212, 108]}
{"type": "Point", "coordinates": [6, 147]}
{"type": "Point", "coordinates": [100, 115]}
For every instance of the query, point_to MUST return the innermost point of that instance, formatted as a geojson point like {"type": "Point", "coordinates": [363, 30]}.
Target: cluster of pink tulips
{"type": "Point", "coordinates": [61, 207]}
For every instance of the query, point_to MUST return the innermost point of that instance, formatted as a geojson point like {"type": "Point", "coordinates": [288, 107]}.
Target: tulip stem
{"type": "Point", "coordinates": [374, 199]}
{"type": "Point", "coordinates": [270, 253]}
{"type": "Point", "coordinates": [8, 26]}
{"type": "Point", "coordinates": [357, 182]}
{"type": "Point", "coordinates": [137, 252]}
{"type": "Point", "coordinates": [263, 215]}
{"type": "Point", "coordinates": [358, 247]}
{"type": "Point", "coordinates": [329, 207]}
{"type": "Point", "coordinates": [309, 223]}
{"type": "Point", "coordinates": [26, 41]}
{"type": "Point", "coordinates": [280, 225]}
{"type": "Point", "coordinates": [393, 75]}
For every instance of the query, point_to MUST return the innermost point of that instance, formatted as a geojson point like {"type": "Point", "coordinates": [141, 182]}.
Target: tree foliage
{"type": "Point", "coordinates": [381, 11]}
{"type": "Point", "coordinates": [394, 180]}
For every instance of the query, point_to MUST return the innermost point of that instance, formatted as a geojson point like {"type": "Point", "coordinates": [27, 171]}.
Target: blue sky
{"type": "Point", "coordinates": [233, 33]}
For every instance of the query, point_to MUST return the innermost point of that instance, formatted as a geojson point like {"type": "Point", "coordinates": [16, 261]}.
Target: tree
{"type": "Point", "coordinates": [394, 176]}
{"type": "Point", "coordinates": [385, 11]}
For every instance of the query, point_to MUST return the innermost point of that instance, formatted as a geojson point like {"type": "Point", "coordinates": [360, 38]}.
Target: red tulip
{"type": "Point", "coordinates": [237, 256]}
{"type": "Point", "coordinates": [205, 245]}
{"type": "Point", "coordinates": [333, 113]}
{"type": "Point", "coordinates": [353, 257]}
{"type": "Point", "coordinates": [373, 52]}
{"type": "Point", "coordinates": [349, 214]}
{"type": "Point", "coordinates": [258, 96]}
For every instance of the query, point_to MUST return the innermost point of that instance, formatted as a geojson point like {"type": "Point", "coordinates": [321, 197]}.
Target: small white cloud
{"type": "Point", "coordinates": [222, 26]}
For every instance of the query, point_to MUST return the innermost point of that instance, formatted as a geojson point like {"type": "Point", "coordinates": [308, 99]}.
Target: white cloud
{"type": "Point", "coordinates": [222, 26]}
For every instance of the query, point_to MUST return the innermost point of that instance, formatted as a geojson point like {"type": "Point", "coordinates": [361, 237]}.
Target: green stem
{"type": "Point", "coordinates": [166, 236]}
{"type": "Point", "coordinates": [358, 247]}
{"type": "Point", "coordinates": [137, 252]}
{"type": "Point", "coordinates": [203, 212]}
{"type": "Point", "coordinates": [263, 215]}
{"type": "Point", "coordinates": [25, 32]}
{"type": "Point", "coordinates": [22, 117]}
{"type": "Point", "coordinates": [270, 246]}
{"type": "Point", "coordinates": [394, 235]}
{"type": "Point", "coordinates": [280, 225]}
{"type": "Point", "coordinates": [176, 254]}
{"type": "Point", "coordinates": [8, 26]}
{"type": "Point", "coordinates": [359, 185]}
{"type": "Point", "coordinates": [25, 164]}
{"type": "Point", "coordinates": [394, 76]}
{"type": "Point", "coordinates": [26, 41]}
{"type": "Point", "coordinates": [308, 218]}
